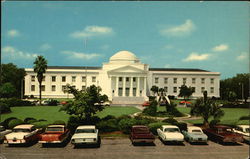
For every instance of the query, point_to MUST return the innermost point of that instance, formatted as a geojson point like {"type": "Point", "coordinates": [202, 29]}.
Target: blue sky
{"type": "Point", "coordinates": [207, 35]}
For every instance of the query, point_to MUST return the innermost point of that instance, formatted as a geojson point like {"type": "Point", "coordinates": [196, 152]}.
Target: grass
{"type": "Point", "coordinates": [51, 113]}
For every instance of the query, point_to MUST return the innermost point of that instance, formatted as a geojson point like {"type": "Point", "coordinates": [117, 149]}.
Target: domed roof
{"type": "Point", "coordinates": [124, 56]}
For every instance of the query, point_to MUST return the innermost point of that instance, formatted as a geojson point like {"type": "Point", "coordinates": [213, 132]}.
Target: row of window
{"type": "Point", "coordinates": [53, 88]}
{"type": "Point", "coordinates": [184, 80]}
{"type": "Point", "coordinates": [63, 78]}
{"type": "Point", "coordinates": [127, 79]}
{"type": "Point", "coordinates": [202, 89]}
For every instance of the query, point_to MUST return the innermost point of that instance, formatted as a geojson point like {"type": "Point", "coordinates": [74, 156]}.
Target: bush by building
{"type": "Point", "coordinates": [14, 123]}
{"type": "Point", "coordinates": [59, 122]}
{"type": "Point", "coordinates": [4, 108]}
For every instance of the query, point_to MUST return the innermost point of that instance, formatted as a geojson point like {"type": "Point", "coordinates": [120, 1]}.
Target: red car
{"type": "Point", "coordinates": [54, 134]}
{"type": "Point", "coordinates": [146, 103]}
{"type": "Point", "coordinates": [223, 134]}
{"type": "Point", "coordinates": [141, 134]}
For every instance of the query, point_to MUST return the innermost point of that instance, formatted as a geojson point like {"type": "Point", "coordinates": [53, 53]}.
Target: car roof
{"type": "Point", "coordinates": [86, 127]}
{"type": "Point", "coordinates": [169, 126]}
{"type": "Point", "coordinates": [222, 126]}
{"type": "Point", "coordinates": [139, 126]}
{"type": "Point", "coordinates": [244, 126]}
{"type": "Point", "coordinates": [24, 126]}
{"type": "Point", "coordinates": [61, 126]}
{"type": "Point", "coordinates": [193, 127]}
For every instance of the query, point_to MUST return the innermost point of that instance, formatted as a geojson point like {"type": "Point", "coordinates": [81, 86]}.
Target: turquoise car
{"type": "Point", "coordinates": [194, 134]}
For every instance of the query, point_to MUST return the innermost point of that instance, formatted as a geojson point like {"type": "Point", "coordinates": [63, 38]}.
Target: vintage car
{"type": "Point", "coordinates": [170, 133]}
{"type": "Point", "coordinates": [146, 103]}
{"type": "Point", "coordinates": [141, 134]}
{"type": "Point", "coordinates": [223, 134]}
{"type": "Point", "coordinates": [23, 134]}
{"type": "Point", "coordinates": [244, 130]}
{"type": "Point", "coordinates": [87, 134]}
{"type": "Point", "coordinates": [3, 132]}
{"type": "Point", "coordinates": [56, 134]}
{"type": "Point", "coordinates": [194, 134]}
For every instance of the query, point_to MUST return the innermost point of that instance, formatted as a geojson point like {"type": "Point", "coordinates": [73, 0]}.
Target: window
{"type": "Point", "coordinates": [43, 78]}
{"type": "Point", "coordinates": [33, 78]}
{"type": "Point", "coordinates": [127, 79]}
{"type": "Point", "coordinates": [120, 92]}
{"type": "Point", "coordinates": [165, 80]}
{"type": "Point", "coordinates": [120, 79]}
{"type": "Point", "coordinates": [175, 89]}
{"type": "Point", "coordinates": [212, 81]}
{"type": "Point", "coordinates": [134, 79]}
{"type": "Point", "coordinates": [211, 89]}
{"type": "Point", "coordinates": [63, 78]}
{"type": "Point", "coordinates": [184, 80]}
{"type": "Point", "coordinates": [83, 78]}
{"type": "Point", "coordinates": [63, 88]}
{"type": "Point", "coordinates": [32, 87]}
{"type": "Point", "coordinates": [166, 89]}
{"type": "Point", "coordinates": [202, 89]}
{"type": "Point", "coordinates": [53, 88]}
{"type": "Point", "coordinates": [193, 88]}
{"type": "Point", "coordinates": [175, 80]}
{"type": "Point", "coordinates": [156, 80]}
{"type": "Point", "coordinates": [127, 92]}
{"type": "Point", "coordinates": [43, 88]}
{"type": "Point", "coordinates": [193, 80]}
{"type": "Point", "coordinates": [73, 78]}
{"type": "Point", "coordinates": [93, 78]}
{"type": "Point", "coordinates": [83, 88]}
{"type": "Point", "coordinates": [53, 78]}
{"type": "Point", "coordinates": [134, 92]}
{"type": "Point", "coordinates": [202, 80]}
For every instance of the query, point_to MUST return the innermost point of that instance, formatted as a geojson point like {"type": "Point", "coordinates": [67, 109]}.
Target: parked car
{"type": "Point", "coordinates": [223, 134]}
{"type": "Point", "coordinates": [170, 133]}
{"type": "Point", "coordinates": [188, 104]}
{"type": "Point", "coordinates": [146, 103]}
{"type": "Point", "coordinates": [243, 130]}
{"type": "Point", "coordinates": [3, 132]}
{"type": "Point", "coordinates": [23, 134]}
{"type": "Point", "coordinates": [54, 134]}
{"type": "Point", "coordinates": [141, 134]}
{"type": "Point", "coordinates": [194, 134]}
{"type": "Point", "coordinates": [87, 134]}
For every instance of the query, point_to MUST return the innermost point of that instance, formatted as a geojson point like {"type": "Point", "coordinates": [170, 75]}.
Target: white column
{"type": "Point", "coordinates": [123, 86]}
{"type": "Point", "coordinates": [138, 87]}
{"type": "Point", "coordinates": [144, 92]}
{"type": "Point", "coordinates": [116, 86]}
{"type": "Point", "coordinates": [131, 87]}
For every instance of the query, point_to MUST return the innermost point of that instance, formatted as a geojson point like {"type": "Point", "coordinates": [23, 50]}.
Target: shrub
{"type": "Point", "coordinates": [151, 109]}
{"type": "Point", "coordinates": [42, 120]}
{"type": "Point", "coordinates": [108, 117]}
{"type": "Point", "coordinates": [154, 126]}
{"type": "Point", "coordinates": [11, 102]}
{"type": "Point", "coordinates": [53, 102]}
{"type": "Point", "coordinates": [4, 108]}
{"type": "Point", "coordinates": [126, 124]}
{"type": "Point", "coordinates": [170, 120]}
{"type": "Point", "coordinates": [14, 123]}
{"type": "Point", "coordinates": [245, 117]}
{"type": "Point", "coordinates": [172, 110]}
{"type": "Point", "coordinates": [151, 98]}
{"type": "Point", "coordinates": [214, 122]}
{"type": "Point", "coordinates": [29, 119]}
{"type": "Point", "coordinates": [5, 123]}
{"type": "Point", "coordinates": [73, 123]}
{"type": "Point", "coordinates": [59, 122]}
{"type": "Point", "coordinates": [108, 125]}
{"type": "Point", "coordinates": [123, 117]}
{"type": "Point", "coordinates": [144, 120]}
{"type": "Point", "coordinates": [171, 97]}
{"type": "Point", "coordinates": [40, 124]}
{"type": "Point", "coordinates": [181, 125]}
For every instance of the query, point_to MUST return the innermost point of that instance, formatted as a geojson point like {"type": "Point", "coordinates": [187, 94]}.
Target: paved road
{"type": "Point", "coordinates": [123, 149]}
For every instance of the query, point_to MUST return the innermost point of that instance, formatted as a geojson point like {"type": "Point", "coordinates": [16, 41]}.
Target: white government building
{"type": "Point", "coordinates": [124, 79]}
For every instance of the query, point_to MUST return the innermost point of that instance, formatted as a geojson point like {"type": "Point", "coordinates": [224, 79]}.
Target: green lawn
{"type": "Point", "coordinates": [184, 110]}
{"type": "Point", "coordinates": [51, 113]}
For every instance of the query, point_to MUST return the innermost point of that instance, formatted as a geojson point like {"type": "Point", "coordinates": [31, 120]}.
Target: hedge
{"type": "Point", "coordinates": [14, 123]}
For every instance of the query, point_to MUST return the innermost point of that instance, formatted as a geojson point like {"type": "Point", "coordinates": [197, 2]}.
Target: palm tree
{"type": "Point", "coordinates": [40, 66]}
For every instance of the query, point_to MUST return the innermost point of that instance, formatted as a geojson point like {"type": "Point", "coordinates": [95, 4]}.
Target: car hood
{"type": "Point", "coordinates": [17, 135]}
{"type": "Point", "coordinates": [197, 135]}
{"type": "Point", "coordinates": [84, 135]}
{"type": "Point", "coordinates": [173, 135]}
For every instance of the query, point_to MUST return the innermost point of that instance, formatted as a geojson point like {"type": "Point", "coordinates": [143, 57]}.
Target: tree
{"type": "Point", "coordinates": [155, 89]}
{"type": "Point", "coordinates": [7, 90]}
{"type": "Point", "coordinates": [206, 108]}
{"type": "Point", "coordinates": [14, 75]}
{"type": "Point", "coordinates": [151, 109]}
{"type": "Point", "coordinates": [40, 66]}
{"type": "Point", "coordinates": [86, 103]}
{"type": "Point", "coordinates": [185, 91]}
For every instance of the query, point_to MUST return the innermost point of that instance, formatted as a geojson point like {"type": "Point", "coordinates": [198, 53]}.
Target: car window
{"type": "Point", "coordinates": [85, 131]}
{"type": "Point", "coordinates": [247, 130]}
{"type": "Point", "coordinates": [196, 130]}
{"type": "Point", "coordinates": [21, 130]}
{"type": "Point", "coordinates": [54, 129]}
{"type": "Point", "coordinates": [171, 130]}
{"type": "Point", "coordinates": [141, 130]}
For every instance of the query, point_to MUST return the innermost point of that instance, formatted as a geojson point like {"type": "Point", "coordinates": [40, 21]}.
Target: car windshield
{"type": "Point", "coordinates": [140, 130]}
{"type": "Point", "coordinates": [54, 129]}
{"type": "Point", "coordinates": [196, 131]}
{"type": "Point", "coordinates": [21, 130]}
{"type": "Point", "coordinates": [85, 131]}
{"type": "Point", "coordinates": [247, 130]}
{"type": "Point", "coordinates": [171, 130]}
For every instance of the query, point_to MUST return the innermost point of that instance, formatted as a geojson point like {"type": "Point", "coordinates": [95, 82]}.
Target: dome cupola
{"type": "Point", "coordinates": [124, 56]}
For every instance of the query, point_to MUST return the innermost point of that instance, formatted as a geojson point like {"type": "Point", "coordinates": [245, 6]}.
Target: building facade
{"type": "Point", "coordinates": [124, 79]}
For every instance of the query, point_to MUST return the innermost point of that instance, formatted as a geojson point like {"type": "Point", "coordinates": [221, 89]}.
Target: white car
{"type": "Point", "coordinates": [3, 132]}
{"type": "Point", "coordinates": [23, 134]}
{"type": "Point", "coordinates": [87, 134]}
{"type": "Point", "coordinates": [194, 134]}
{"type": "Point", "coordinates": [244, 130]}
{"type": "Point", "coordinates": [170, 133]}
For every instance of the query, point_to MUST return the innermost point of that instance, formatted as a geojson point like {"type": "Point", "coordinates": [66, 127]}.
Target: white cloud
{"type": "Point", "coordinates": [80, 55]}
{"type": "Point", "coordinates": [12, 52]}
{"type": "Point", "coordinates": [196, 57]}
{"type": "Point", "coordinates": [91, 31]}
{"type": "Point", "coordinates": [221, 47]}
{"type": "Point", "coordinates": [13, 33]}
{"type": "Point", "coordinates": [180, 30]}
{"type": "Point", "coordinates": [242, 56]}
{"type": "Point", "coordinates": [45, 47]}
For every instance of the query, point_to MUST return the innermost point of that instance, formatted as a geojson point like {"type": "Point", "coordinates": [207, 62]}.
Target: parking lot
{"type": "Point", "coordinates": [121, 148]}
